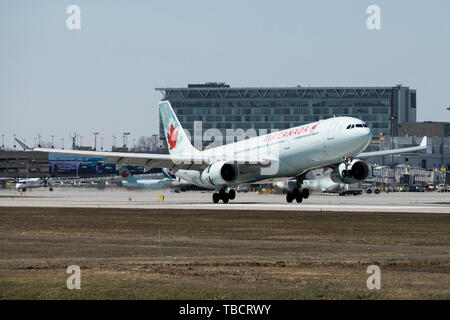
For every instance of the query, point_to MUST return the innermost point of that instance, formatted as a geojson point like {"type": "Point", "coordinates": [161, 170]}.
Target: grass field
{"type": "Point", "coordinates": [222, 254]}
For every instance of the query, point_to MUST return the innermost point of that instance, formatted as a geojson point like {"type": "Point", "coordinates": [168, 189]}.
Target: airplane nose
{"type": "Point", "coordinates": [367, 135]}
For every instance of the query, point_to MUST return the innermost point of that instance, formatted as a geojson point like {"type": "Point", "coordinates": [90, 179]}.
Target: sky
{"type": "Point", "coordinates": [102, 78]}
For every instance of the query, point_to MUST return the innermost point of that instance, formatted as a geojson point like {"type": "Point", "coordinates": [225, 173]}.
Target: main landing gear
{"type": "Point", "coordinates": [224, 196]}
{"type": "Point", "coordinates": [298, 193]}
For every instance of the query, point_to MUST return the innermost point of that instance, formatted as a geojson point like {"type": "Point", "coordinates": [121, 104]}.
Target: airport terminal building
{"type": "Point", "coordinates": [223, 107]}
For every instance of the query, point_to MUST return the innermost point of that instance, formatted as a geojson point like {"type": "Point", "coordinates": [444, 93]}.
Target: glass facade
{"type": "Point", "coordinates": [222, 107]}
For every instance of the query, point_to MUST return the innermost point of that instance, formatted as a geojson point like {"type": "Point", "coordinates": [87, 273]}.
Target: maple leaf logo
{"type": "Point", "coordinates": [172, 137]}
{"type": "Point", "coordinates": [313, 128]}
{"type": "Point", "coordinates": [124, 174]}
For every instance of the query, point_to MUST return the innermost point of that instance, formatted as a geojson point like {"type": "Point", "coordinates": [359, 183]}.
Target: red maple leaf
{"type": "Point", "coordinates": [313, 128]}
{"type": "Point", "coordinates": [172, 137]}
{"type": "Point", "coordinates": [124, 174]}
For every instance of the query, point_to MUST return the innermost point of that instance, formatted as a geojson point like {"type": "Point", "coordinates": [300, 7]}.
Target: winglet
{"type": "Point", "coordinates": [23, 145]}
{"type": "Point", "coordinates": [424, 142]}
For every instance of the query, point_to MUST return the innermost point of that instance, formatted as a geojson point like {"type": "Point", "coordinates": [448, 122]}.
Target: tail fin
{"type": "Point", "coordinates": [23, 145]}
{"type": "Point", "coordinates": [167, 175]}
{"type": "Point", "coordinates": [177, 141]}
{"type": "Point", "coordinates": [126, 174]}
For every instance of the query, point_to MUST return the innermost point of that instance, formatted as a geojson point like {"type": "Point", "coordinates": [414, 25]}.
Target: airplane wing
{"type": "Point", "coordinates": [149, 160]}
{"type": "Point", "coordinates": [422, 146]}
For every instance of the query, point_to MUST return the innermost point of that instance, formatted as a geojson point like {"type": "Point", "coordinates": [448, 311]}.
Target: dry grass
{"type": "Point", "coordinates": [222, 254]}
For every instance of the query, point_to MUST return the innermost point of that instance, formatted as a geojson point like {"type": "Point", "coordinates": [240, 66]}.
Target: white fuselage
{"type": "Point", "coordinates": [152, 183]}
{"type": "Point", "coordinates": [32, 183]}
{"type": "Point", "coordinates": [297, 150]}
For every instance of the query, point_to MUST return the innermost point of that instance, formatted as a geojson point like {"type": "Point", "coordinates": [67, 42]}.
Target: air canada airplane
{"type": "Point", "coordinates": [130, 181]}
{"type": "Point", "coordinates": [336, 143]}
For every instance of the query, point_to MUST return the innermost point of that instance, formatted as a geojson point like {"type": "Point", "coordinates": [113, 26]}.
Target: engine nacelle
{"type": "Point", "coordinates": [220, 174]}
{"type": "Point", "coordinates": [356, 171]}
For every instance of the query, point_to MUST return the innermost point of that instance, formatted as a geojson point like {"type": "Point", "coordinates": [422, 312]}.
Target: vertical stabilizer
{"type": "Point", "coordinates": [177, 141]}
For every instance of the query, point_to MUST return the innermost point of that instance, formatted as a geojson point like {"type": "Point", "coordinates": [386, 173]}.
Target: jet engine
{"type": "Point", "coordinates": [355, 171]}
{"type": "Point", "coordinates": [220, 174]}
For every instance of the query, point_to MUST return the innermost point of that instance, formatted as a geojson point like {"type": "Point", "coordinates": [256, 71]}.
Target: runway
{"type": "Point", "coordinates": [148, 199]}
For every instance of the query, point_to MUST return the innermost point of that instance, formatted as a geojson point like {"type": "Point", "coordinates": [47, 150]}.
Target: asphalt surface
{"type": "Point", "coordinates": [144, 199]}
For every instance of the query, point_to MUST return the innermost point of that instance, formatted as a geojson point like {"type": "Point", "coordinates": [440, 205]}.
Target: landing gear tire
{"type": "Point", "coordinates": [216, 197]}
{"type": "Point", "coordinates": [305, 193]}
{"type": "Point", "coordinates": [50, 189]}
{"type": "Point", "coordinates": [232, 194]}
{"type": "Point", "coordinates": [225, 198]}
{"type": "Point", "coordinates": [298, 197]}
{"type": "Point", "coordinates": [289, 197]}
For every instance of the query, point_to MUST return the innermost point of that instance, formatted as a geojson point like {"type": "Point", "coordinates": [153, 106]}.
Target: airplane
{"type": "Point", "coordinates": [336, 143]}
{"type": "Point", "coordinates": [131, 181]}
{"type": "Point", "coordinates": [24, 184]}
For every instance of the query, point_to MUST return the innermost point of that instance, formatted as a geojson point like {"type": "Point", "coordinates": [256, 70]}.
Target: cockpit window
{"type": "Point", "coordinates": [358, 125]}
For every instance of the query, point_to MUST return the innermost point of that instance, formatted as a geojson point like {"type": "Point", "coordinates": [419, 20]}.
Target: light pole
{"type": "Point", "coordinates": [74, 141]}
{"type": "Point", "coordinates": [95, 140]}
{"type": "Point", "coordinates": [14, 142]}
{"type": "Point", "coordinates": [125, 135]}
{"type": "Point", "coordinates": [39, 139]}
{"type": "Point", "coordinates": [62, 143]}
{"type": "Point", "coordinates": [360, 113]}
{"type": "Point", "coordinates": [101, 142]}
{"type": "Point", "coordinates": [155, 142]}
{"type": "Point", "coordinates": [3, 142]}
{"type": "Point", "coordinates": [114, 142]}
{"type": "Point", "coordinates": [392, 138]}
{"type": "Point", "coordinates": [53, 145]}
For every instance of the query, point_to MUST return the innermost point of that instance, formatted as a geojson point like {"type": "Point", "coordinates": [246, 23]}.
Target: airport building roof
{"type": "Point", "coordinates": [224, 91]}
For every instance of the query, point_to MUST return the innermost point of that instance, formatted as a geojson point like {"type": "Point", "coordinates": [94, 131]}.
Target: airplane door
{"type": "Point", "coordinates": [331, 131]}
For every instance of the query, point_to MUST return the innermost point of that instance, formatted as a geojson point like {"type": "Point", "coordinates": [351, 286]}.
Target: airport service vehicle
{"type": "Point", "coordinates": [336, 143]}
{"type": "Point", "coordinates": [370, 188]}
{"type": "Point", "coordinates": [351, 189]}
{"type": "Point", "coordinates": [7, 182]}
{"type": "Point", "coordinates": [131, 181]}
{"type": "Point", "coordinates": [24, 184]}
{"type": "Point", "coordinates": [443, 188]}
